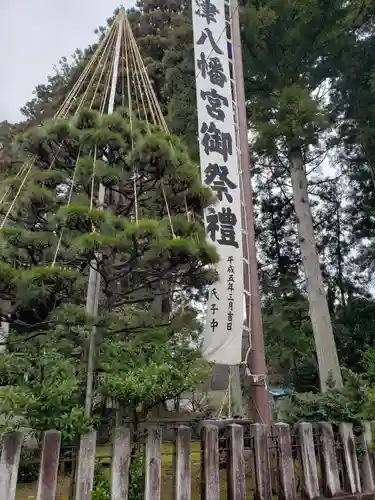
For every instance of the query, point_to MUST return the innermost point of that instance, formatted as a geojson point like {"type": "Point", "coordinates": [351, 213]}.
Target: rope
{"type": "Point", "coordinates": [22, 170]}
{"type": "Point", "coordinates": [102, 105]}
{"type": "Point", "coordinates": [101, 74]}
{"type": "Point", "coordinates": [29, 168]}
{"type": "Point", "coordinates": [151, 98]}
{"type": "Point", "coordinates": [130, 106]}
{"type": "Point", "coordinates": [67, 205]}
{"type": "Point", "coordinates": [61, 113]}
{"type": "Point", "coordinates": [145, 105]}
{"type": "Point", "coordinates": [93, 179]}
{"type": "Point", "coordinates": [105, 55]}
{"type": "Point", "coordinates": [65, 107]}
{"type": "Point", "coordinates": [147, 83]}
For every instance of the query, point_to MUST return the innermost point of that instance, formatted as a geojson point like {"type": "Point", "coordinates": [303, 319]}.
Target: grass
{"type": "Point", "coordinates": [29, 491]}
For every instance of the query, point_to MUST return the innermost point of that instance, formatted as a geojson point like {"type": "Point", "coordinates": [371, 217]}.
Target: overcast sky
{"type": "Point", "coordinates": [34, 35]}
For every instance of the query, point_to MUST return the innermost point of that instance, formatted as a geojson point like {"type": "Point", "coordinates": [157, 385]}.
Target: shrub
{"type": "Point", "coordinates": [29, 466]}
{"type": "Point", "coordinates": [351, 404]}
{"type": "Point", "coordinates": [136, 478]}
{"type": "Point", "coordinates": [101, 489]}
{"type": "Point", "coordinates": [101, 483]}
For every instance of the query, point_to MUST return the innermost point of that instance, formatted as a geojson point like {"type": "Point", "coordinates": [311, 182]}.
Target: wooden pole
{"type": "Point", "coordinates": [256, 366]}
{"type": "Point", "coordinates": [93, 290]}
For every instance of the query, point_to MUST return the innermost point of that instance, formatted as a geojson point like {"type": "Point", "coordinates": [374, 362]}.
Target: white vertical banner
{"type": "Point", "coordinates": [222, 341]}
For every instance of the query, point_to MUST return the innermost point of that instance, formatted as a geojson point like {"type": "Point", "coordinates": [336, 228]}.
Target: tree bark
{"type": "Point", "coordinates": [319, 313]}
{"type": "Point", "coordinates": [4, 325]}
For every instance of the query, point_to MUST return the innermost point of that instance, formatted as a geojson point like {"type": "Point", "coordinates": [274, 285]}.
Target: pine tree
{"type": "Point", "coordinates": [54, 235]}
{"type": "Point", "coordinates": [290, 50]}
{"type": "Point", "coordinates": [163, 33]}
{"type": "Point", "coordinates": [352, 100]}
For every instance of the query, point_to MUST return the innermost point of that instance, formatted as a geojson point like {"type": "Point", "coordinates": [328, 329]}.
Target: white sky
{"type": "Point", "coordinates": [34, 35]}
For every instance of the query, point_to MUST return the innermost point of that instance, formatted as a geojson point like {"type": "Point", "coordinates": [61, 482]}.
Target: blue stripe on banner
{"type": "Point", "coordinates": [229, 50]}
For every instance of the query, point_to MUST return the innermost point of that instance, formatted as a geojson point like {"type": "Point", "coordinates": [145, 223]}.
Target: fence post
{"type": "Point", "coordinates": [86, 466]}
{"type": "Point", "coordinates": [236, 463]}
{"type": "Point", "coordinates": [182, 464]}
{"type": "Point", "coordinates": [153, 464]}
{"type": "Point", "coordinates": [10, 460]}
{"type": "Point", "coordinates": [330, 468]}
{"type": "Point", "coordinates": [287, 482]}
{"type": "Point", "coordinates": [210, 486]}
{"type": "Point", "coordinates": [310, 482]}
{"type": "Point", "coordinates": [49, 466]}
{"type": "Point", "coordinates": [352, 480]}
{"type": "Point", "coordinates": [120, 463]}
{"type": "Point", "coordinates": [367, 460]}
{"type": "Point", "coordinates": [260, 433]}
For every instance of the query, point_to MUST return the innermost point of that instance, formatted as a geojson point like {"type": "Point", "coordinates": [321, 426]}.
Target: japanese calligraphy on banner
{"type": "Point", "coordinates": [222, 342]}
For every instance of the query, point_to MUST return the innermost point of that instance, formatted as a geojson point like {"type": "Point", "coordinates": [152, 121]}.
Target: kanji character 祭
{"type": "Point", "coordinates": [218, 180]}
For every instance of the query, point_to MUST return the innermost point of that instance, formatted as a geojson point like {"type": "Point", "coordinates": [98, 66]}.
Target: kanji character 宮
{"type": "Point", "coordinates": [215, 101]}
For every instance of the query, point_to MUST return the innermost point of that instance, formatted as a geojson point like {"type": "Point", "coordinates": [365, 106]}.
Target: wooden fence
{"type": "Point", "coordinates": [306, 461]}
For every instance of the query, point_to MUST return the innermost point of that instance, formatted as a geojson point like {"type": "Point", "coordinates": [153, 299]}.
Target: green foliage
{"type": "Point", "coordinates": [355, 333]}
{"type": "Point", "coordinates": [147, 371]}
{"type": "Point", "coordinates": [101, 489]}
{"type": "Point", "coordinates": [304, 96]}
{"type": "Point", "coordinates": [289, 341]}
{"type": "Point", "coordinates": [309, 76]}
{"type": "Point", "coordinates": [136, 478]}
{"type": "Point", "coordinates": [28, 471]}
{"type": "Point", "coordinates": [351, 404]}
{"type": "Point", "coordinates": [41, 390]}
{"type": "Point", "coordinates": [143, 356]}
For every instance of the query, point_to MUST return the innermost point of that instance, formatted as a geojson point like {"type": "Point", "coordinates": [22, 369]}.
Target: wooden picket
{"type": "Point", "coordinates": [49, 466]}
{"type": "Point", "coordinates": [330, 467]}
{"type": "Point", "coordinates": [236, 464]}
{"type": "Point", "coordinates": [120, 463]}
{"type": "Point", "coordinates": [10, 459]}
{"type": "Point", "coordinates": [332, 464]}
{"type": "Point", "coordinates": [182, 464]}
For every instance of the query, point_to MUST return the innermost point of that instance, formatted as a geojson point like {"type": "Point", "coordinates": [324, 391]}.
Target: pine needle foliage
{"type": "Point", "coordinates": [148, 232]}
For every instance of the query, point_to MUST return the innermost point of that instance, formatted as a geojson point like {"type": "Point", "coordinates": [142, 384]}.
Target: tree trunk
{"type": "Point", "coordinates": [4, 325]}
{"type": "Point", "coordinates": [320, 318]}
{"type": "Point", "coordinates": [340, 273]}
